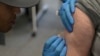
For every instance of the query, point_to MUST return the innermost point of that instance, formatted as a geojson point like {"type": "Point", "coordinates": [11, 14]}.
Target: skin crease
{"type": "Point", "coordinates": [7, 16]}
{"type": "Point", "coordinates": [80, 40]}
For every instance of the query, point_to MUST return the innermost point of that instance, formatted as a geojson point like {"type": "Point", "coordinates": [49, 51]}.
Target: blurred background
{"type": "Point", "coordinates": [32, 29]}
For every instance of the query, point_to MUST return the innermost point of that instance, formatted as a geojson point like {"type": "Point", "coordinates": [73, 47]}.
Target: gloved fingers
{"type": "Point", "coordinates": [60, 46]}
{"type": "Point", "coordinates": [63, 1]}
{"type": "Point", "coordinates": [72, 5]}
{"type": "Point", "coordinates": [64, 19]}
{"type": "Point", "coordinates": [63, 52]}
{"type": "Point", "coordinates": [68, 1]}
{"type": "Point", "coordinates": [68, 13]}
{"type": "Point", "coordinates": [55, 44]}
{"type": "Point", "coordinates": [50, 41]}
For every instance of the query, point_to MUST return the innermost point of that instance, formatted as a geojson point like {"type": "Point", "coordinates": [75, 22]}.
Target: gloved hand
{"type": "Point", "coordinates": [66, 10]}
{"type": "Point", "coordinates": [55, 46]}
{"type": "Point", "coordinates": [71, 3]}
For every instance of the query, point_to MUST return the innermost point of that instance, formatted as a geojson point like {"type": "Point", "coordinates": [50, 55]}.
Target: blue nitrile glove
{"type": "Point", "coordinates": [71, 4]}
{"type": "Point", "coordinates": [55, 46]}
{"type": "Point", "coordinates": [66, 10]}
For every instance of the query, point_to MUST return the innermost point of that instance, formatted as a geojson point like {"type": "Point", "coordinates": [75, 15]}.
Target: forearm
{"type": "Point", "coordinates": [79, 41]}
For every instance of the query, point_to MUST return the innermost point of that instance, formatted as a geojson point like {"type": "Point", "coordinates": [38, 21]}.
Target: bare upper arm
{"type": "Point", "coordinates": [79, 41]}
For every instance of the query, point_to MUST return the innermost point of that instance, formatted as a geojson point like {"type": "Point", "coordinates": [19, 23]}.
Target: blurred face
{"type": "Point", "coordinates": [7, 16]}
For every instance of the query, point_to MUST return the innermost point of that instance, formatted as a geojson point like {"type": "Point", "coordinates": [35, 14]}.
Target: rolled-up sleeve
{"type": "Point", "coordinates": [92, 9]}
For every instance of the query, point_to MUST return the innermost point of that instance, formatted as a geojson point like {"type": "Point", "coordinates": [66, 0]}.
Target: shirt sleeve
{"type": "Point", "coordinates": [92, 9]}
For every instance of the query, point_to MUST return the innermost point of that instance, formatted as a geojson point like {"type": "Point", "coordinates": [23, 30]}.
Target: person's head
{"type": "Point", "coordinates": [9, 9]}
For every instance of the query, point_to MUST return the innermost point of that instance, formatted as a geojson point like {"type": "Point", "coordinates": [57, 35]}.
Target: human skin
{"type": "Point", "coordinates": [7, 16]}
{"type": "Point", "coordinates": [80, 40]}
